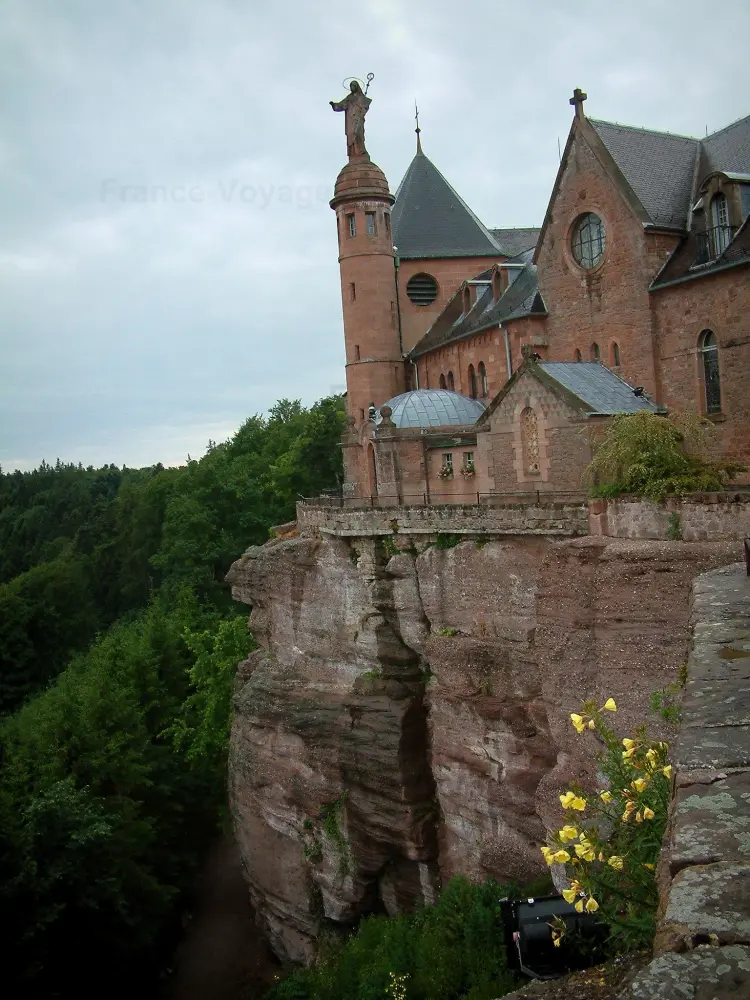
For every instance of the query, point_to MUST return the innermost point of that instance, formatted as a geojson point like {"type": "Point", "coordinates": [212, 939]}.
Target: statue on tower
{"type": "Point", "coordinates": [354, 106]}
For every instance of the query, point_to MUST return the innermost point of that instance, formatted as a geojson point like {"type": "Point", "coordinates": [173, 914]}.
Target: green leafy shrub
{"type": "Point", "coordinates": [447, 630]}
{"type": "Point", "coordinates": [444, 541]}
{"type": "Point", "coordinates": [610, 842]}
{"type": "Point", "coordinates": [452, 950]}
{"type": "Point", "coordinates": [653, 456]}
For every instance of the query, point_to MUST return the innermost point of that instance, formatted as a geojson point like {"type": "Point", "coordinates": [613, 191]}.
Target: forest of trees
{"type": "Point", "coordinates": [118, 644]}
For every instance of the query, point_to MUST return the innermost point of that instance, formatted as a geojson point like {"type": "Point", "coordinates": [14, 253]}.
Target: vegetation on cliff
{"type": "Point", "coordinates": [455, 949]}
{"type": "Point", "coordinates": [653, 456]}
{"type": "Point", "coordinates": [118, 643]}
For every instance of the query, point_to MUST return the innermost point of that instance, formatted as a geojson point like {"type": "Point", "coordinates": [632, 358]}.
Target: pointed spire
{"type": "Point", "coordinates": [417, 129]}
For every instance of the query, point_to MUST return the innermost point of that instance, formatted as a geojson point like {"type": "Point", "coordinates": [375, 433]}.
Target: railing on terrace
{"type": "Point", "coordinates": [713, 242]}
{"type": "Point", "coordinates": [444, 499]}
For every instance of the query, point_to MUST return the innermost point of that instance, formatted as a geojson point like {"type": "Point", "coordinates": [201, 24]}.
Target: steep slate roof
{"type": "Point", "coordinates": [658, 166]}
{"type": "Point", "coordinates": [596, 386]}
{"type": "Point", "coordinates": [729, 148]}
{"type": "Point", "coordinates": [521, 298]}
{"type": "Point", "coordinates": [585, 385]}
{"type": "Point", "coordinates": [429, 219]}
{"type": "Point", "coordinates": [514, 241]}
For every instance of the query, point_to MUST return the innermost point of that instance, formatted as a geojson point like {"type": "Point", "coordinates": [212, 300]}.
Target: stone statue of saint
{"type": "Point", "coordinates": [354, 106]}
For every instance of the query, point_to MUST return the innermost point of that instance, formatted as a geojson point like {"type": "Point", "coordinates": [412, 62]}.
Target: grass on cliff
{"type": "Point", "coordinates": [452, 950]}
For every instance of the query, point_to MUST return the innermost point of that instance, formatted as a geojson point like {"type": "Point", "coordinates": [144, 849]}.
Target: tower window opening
{"type": "Point", "coordinates": [483, 379]}
{"type": "Point", "coordinates": [616, 354]}
{"type": "Point", "coordinates": [451, 382]}
{"type": "Point", "coordinates": [595, 352]}
{"type": "Point", "coordinates": [352, 291]}
{"type": "Point", "coordinates": [351, 223]}
{"type": "Point", "coordinates": [579, 356]}
{"type": "Point", "coordinates": [356, 352]}
{"type": "Point", "coordinates": [472, 382]}
{"type": "Point", "coordinates": [370, 223]}
{"type": "Point", "coordinates": [443, 384]}
{"type": "Point", "coordinates": [387, 220]}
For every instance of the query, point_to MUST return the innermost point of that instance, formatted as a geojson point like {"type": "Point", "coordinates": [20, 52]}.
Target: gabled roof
{"type": "Point", "coordinates": [596, 386]}
{"type": "Point", "coordinates": [429, 219]}
{"type": "Point", "coordinates": [520, 299]}
{"type": "Point", "coordinates": [515, 241]}
{"type": "Point", "coordinates": [658, 166]}
{"type": "Point", "coordinates": [728, 149]}
{"type": "Point", "coordinates": [585, 385]}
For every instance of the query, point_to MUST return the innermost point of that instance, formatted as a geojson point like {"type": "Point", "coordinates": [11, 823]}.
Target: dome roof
{"type": "Point", "coordinates": [361, 178]}
{"type": "Point", "coordinates": [433, 408]}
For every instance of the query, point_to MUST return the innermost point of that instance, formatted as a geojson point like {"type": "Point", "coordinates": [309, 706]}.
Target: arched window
{"type": "Point", "coordinates": [451, 382]}
{"type": "Point", "coordinates": [472, 382]}
{"type": "Point", "coordinates": [530, 438]}
{"type": "Point", "coordinates": [483, 379]}
{"type": "Point", "coordinates": [720, 218]}
{"type": "Point", "coordinates": [588, 240]}
{"type": "Point", "coordinates": [579, 356]}
{"type": "Point", "coordinates": [709, 353]}
{"type": "Point", "coordinates": [596, 354]}
{"type": "Point", "coordinates": [615, 354]}
{"type": "Point", "coordinates": [442, 381]}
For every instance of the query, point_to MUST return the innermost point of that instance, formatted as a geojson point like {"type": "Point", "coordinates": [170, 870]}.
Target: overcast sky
{"type": "Point", "coordinates": [167, 253]}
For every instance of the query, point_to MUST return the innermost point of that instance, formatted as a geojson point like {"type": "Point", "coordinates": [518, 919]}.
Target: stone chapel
{"type": "Point", "coordinates": [486, 361]}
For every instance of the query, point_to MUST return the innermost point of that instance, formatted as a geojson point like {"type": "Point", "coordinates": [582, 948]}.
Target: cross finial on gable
{"type": "Point", "coordinates": [417, 129]}
{"type": "Point", "coordinates": [577, 101]}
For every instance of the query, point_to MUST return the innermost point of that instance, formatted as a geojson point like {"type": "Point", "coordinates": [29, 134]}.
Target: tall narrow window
{"type": "Point", "coordinates": [722, 232]}
{"type": "Point", "coordinates": [387, 220]}
{"type": "Point", "coordinates": [370, 223]}
{"type": "Point", "coordinates": [579, 356]}
{"type": "Point", "coordinates": [448, 462]}
{"type": "Point", "coordinates": [595, 352]}
{"type": "Point", "coordinates": [442, 382]}
{"type": "Point", "coordinates": [351, 225]}
{"type": "Point", "coordinates": [530, 438]}
{"type": "Point", "coordinates": [483, 378]}
{"type": "Point", "coordinates": [451, 382]}
{"type": "Point", "coordinates": [352, 292]}
{"type": "Point", "coordinates": [616, 354]}
{"type": "Point", "coordinates": [709, 350]}
{"type": "Point", "coordinates": [472, 382]}
{"type": "Point", "coordinates": [356, 352]}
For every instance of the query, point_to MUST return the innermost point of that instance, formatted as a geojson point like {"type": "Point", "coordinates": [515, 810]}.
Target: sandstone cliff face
{"type": "Point", "coordinates": [406, 715]}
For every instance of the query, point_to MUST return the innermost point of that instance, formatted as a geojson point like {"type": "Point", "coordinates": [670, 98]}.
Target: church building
{"type": "Point", "coordinates": [483, 361]}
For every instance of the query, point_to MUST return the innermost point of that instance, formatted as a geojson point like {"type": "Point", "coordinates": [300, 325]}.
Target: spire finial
{"type": "Point", "coordinates": [577, 101]}
{"type": "Point", "coordinates": [417, 129]}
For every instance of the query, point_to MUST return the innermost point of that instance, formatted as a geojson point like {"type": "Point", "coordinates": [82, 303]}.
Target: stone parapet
{"type": "Point", "coordinates": [703, 934]}
{"type": "Point", "coordinates": [706, 518]}
{"type": "Point", "coordinates": [554, 519]}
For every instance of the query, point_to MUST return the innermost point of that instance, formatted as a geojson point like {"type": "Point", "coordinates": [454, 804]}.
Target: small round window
{"type": "Point", "coordinates": [588, 240]}
{"type": "Point", "coordinates": [422, 289]}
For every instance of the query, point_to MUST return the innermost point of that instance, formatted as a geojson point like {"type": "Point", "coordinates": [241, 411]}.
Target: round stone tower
{"type": "Point", "coordinates": [362, 202]}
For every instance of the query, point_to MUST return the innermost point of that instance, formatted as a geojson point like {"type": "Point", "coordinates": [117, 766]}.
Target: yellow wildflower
{"type": "Point", "coordinates": [591, 905]}
{"type": "Point", "coordinates": [628, 743]}
{"type": "Point", "coordinates": [568, 833]}
{"type": "Point", "coordinates": [578, 722]}
{"type": "Point", "coordinates": [615, 862]}
{"type": "Point", "coordinates": [625, 816]}
{"type": "Point", "coordinates": [639, 817]}
{"type": "Point", "coordinates": [579, 906]}
{"type": "Point", "coordinates": [566, 799]}
{"type": "Point", "coordinates": [629, 807]}
{"type": "Point", "coordinates": [609, 705]}
{"type": "Point", "coordinates": [667, 771]}
{"type": "Point", "coordinates": [578, 803]}
{"type": "Point", "coordinates": [605, 796]}
{"type": "Point", "coordinates": [585, 851]}
{"type": "Point", "coordinates": [569, 895]}
{"type": "Point", "coordinates": [561, 857]}
{"type": "Point", "coordinates": [548, 854]}
{"type": "Point", "coordinates": [648, 813]}
{"type": "Point", "coordinates": [640, 784]}
{"type": "Point", "coordinates": [647, 865]}
{"type": "Point", "coordinates": [592, 724]}
{"type": "Point", "coordinates": [627, 754]}
{"type": "Point", "coordinates": [556, 942]}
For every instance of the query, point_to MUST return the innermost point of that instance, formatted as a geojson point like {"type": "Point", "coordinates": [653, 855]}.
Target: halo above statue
{"type": "Point", "coordinates": [346, 82]}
